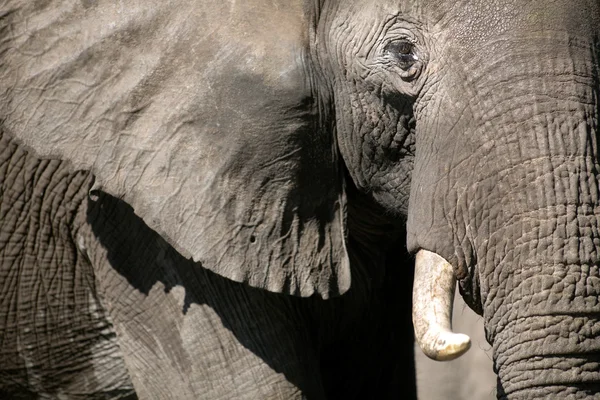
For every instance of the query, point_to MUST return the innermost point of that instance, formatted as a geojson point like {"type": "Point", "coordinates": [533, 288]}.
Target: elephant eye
{"type": "Point", "coordinates": [403, 52]}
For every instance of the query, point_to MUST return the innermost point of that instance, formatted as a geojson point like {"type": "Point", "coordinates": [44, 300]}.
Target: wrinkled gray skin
{"type": "Point", "coordinates": [205, 199]}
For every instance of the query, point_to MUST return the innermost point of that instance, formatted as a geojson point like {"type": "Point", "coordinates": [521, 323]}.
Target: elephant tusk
{"type": "Point", "coordinates": [433, 294]}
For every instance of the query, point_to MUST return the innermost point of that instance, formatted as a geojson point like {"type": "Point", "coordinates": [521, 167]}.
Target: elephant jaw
{"type": "Point", "coordinates": [433, 294]}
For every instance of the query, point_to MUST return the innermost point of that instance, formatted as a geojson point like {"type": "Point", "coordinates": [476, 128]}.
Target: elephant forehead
{"type": "Point", "coordinates": [473, 23]}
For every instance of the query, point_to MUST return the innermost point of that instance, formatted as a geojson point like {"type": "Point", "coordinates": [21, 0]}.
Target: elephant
{"type": "Point", "coordinates": [219, 199]}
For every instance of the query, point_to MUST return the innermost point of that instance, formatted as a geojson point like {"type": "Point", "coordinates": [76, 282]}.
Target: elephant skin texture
{"type": "Point", "coordinates": [65, 256]}
{"type": "Point", "coordinates": [207, 199]}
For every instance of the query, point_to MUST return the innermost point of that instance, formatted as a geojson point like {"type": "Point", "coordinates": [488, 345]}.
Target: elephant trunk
{"type": "Point", "coordinates": [538, 258]}
{"type": "Point", "coordinates": [549, 356]}
{"type": "Point", "coordinates": [539, 280]}
{"type": "Point", "coordinates": [433, 295]}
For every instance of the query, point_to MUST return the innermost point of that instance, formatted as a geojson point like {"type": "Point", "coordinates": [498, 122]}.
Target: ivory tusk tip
{"type": "Point", "coordinates": [449, 346]}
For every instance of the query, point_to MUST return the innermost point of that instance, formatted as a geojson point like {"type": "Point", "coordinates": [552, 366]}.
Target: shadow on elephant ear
{"type": "Point", "coordinates": [144, 258]}
{"type": "Point", "coordinates": [294, 336]}
{"type": "Point", "coordinates": [143, 276]}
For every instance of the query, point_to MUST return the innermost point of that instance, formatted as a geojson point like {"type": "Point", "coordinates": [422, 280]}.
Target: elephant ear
{"type": "Point", "coordinates": [200, 114]}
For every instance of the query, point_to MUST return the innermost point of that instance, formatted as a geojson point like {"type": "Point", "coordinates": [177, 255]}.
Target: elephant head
{"type": "Point", "coordinates": [239, 131]}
